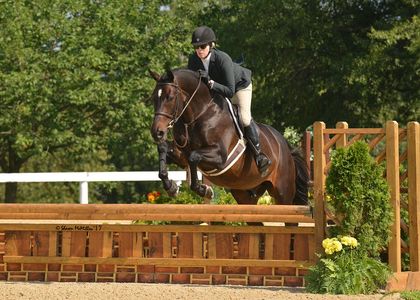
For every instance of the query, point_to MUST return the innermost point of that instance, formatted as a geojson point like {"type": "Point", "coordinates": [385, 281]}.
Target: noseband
{"type": "Point", "coordinates": [174, 118]}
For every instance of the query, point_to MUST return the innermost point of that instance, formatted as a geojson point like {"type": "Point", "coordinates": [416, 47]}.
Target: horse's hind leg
{"type": "Point", "coordinates": [202, 190]}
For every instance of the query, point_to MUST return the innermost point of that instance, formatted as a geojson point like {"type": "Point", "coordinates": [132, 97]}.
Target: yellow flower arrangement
{"type": "Point", "coordinates": [336, 245]}
{"type": "Point", "coordinates": [349, 241]}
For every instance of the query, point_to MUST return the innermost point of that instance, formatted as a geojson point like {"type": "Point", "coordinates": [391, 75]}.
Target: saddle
{"type": "Point", "coordinates": [234, 112]}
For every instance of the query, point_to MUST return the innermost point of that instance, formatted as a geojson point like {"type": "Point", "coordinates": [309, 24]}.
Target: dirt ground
{"type": "Point", "coordinates": [138, 291]}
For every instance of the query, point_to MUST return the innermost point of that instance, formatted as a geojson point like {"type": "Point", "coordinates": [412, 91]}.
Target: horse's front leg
{"type": "Point", "coordinates": [169, 185]}
{"type": "Point", "coordinates": [202, 190]}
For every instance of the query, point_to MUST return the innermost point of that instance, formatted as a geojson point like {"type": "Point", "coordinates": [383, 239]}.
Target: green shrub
{"type": "Point", "coordinates": [358, 197]}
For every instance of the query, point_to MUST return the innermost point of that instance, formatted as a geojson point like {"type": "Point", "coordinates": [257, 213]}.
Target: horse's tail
{"type": "Point", "coordinates": [302, 178]}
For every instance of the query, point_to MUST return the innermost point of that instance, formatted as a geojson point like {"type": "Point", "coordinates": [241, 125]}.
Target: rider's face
{"type": "Point", "coordinates": [202, 51]}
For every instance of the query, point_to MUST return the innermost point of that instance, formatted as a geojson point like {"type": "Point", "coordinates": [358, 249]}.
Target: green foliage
{"type": "Point", "coordinates": [412, 295]}
{"type": "Point", "coordinates": [72, 74]}
{"type": "Point", "coordinates": [349, 272]}
{"type": "Point", "coordinates": [324, 60]}
{"type": "Point", "coordinates": [360, 198]}
{"type": "Point", "coordinates": [293, 136]}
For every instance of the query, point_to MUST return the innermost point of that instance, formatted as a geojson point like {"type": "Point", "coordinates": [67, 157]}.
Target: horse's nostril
{"type": "Point", "coordinates": [160, 134]}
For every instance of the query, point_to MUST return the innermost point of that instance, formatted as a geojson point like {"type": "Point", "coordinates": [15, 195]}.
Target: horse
{"type": "Point", "coordinates": [206, 138]}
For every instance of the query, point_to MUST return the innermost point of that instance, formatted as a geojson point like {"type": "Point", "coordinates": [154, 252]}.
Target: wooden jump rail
{"type": "Point", "coordinates": [158, 212]}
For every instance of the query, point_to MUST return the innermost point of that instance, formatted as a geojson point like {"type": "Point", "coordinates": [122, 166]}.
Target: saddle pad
{"type": "Point", "coordinates": [233, 157]}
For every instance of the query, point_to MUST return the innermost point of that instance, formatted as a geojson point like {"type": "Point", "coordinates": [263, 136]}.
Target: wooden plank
{"type": "Point", "coordinates": [41, 243]}
{"type": "Point", "coordinates": [281, 246]}
{"type": "Point", "coordinates": [96, 239]}
{"type": "Point", "coordinates": [393, 179]}
{"type": "Point", "coordinates": [268, 246]}
{"type": "Point", "coordinates": [191, 262]}
{"type": "Point", "coordinates": [156, 244]}
{"type": "Point", "coordinates": [224, 245]}
{"type": "Point", "coordinates": [66, 211]}
{"type": "Point", "coordinates": [319, 183]}
{"type": "Point", "coordinates": [243, 241]}
{"type": "Point", "coordinates": [164, 228]}
{"type": "Point", "coordinates": [166, 245]}
{"type": "Point", "coordinates": [78, 243]}
{"type": "Point", "coordinates": [18, 243]}
{"type": "Point", "coordinates": [413, 149]}
{"type": "Point", "coordinates": [107, 246]}
{"type": "Point", "coordinates": [254, 245]}
{"type": "Point", "coordinates": [126, 244]}
{"type": "Point", "coordinates": [375, 141]}
{"type": "Point", "coordinates": [197, 245]}
{"type": "Point", "coordinates": [219, 217]}
{"type": "Point", "coordinates": [331, 142]}
{"type": "Point", "coordinates": [353, 130]}
{"type": "Point", "coordinates": [301, 247]}
{"type": "Point", "coordinates": [211, 246]}
{"type": "Point", "coordinates": [185, 245]}
{"type": "Point", "coordinates": [137, 244]}
{"type": "Point", "coordinates": [66, 244]}
{"type": "Point", "coordinates": [311, 248]}
{"type": "Point", "coordinates": [52, 244]}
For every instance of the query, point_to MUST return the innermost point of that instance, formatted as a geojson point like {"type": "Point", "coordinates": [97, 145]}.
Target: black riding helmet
{"type": "Point", "coordinates": [203, 35]}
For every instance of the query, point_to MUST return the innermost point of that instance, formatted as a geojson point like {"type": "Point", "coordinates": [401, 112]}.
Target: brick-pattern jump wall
{"type": "Point", "coordinates": [3, 273]}
{"type": "Point", "coordinates": [210, 275]}
{"type": "Point", "coordinates": [77, 256]}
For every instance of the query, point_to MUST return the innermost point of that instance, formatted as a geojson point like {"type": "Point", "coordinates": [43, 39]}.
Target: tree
{"type": "Point", "coordinates": [304, 54]}
{"type": "Point", "coordinates": [72, 74]}
{"type": "Point", "coordinates": [388, 73]}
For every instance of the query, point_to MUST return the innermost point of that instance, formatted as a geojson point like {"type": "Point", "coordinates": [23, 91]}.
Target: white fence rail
{"type": "Point", "coordinates": [85, 177]}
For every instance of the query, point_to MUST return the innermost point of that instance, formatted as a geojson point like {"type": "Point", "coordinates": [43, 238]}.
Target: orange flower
{"type": "Point", "coordinates": [153, 196]}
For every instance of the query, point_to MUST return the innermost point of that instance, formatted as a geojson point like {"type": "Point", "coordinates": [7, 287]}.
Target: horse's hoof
{"type": "Point", "coordinates": [173, 190]}
{"type": "Point", "coordinates": [263, 164]}
{"type": "Point", "coordinates": [209, 194]}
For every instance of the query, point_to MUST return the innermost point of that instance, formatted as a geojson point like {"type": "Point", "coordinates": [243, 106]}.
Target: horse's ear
{"type": "Point", "coordinates": [170, 75]}
{"type": "Point", "coordinates": [154, 75]}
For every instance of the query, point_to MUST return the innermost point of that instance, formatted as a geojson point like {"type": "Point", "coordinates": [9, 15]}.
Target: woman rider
{"type": "Point", "coordinates": [229, 79]}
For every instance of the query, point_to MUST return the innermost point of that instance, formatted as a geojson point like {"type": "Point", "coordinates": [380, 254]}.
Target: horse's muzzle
{"type": "Point", "coordinates": [159, 128]}
{"type": "Point", "coordinates": [158, 134]}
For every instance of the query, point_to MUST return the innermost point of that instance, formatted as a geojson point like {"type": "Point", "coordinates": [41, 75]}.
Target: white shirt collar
{"type": "Point", "coordinates": [206, 62]}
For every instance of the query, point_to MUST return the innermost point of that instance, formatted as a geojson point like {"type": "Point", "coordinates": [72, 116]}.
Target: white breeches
{"type": "Point", "coordinates": [243, 98]}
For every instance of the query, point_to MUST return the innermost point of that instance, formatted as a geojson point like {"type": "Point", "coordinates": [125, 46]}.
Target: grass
{"type": "Point", "coordinates": [413, 295]}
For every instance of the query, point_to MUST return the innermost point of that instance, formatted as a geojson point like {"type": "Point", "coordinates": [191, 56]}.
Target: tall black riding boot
{"type": "Point", "coordinates": [251, 134]}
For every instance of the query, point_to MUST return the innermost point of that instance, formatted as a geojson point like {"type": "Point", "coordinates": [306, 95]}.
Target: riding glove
{"type": "Point", "coordinates": [204, 76]}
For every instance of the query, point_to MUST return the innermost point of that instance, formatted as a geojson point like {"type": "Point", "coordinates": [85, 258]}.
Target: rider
{"type": "Point", "coordinates": [229, 79]}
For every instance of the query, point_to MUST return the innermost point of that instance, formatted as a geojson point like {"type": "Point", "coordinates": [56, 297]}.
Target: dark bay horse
{"type": "Point", "coordinates": [206, 139]}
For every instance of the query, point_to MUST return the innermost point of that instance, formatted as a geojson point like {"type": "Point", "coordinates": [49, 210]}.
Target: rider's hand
{"type": "Point", "coordinates": [204, 76]}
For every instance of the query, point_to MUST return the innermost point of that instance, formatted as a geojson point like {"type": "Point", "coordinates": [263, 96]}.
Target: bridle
{"type": "Point", "coordinates": [175, 116]}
